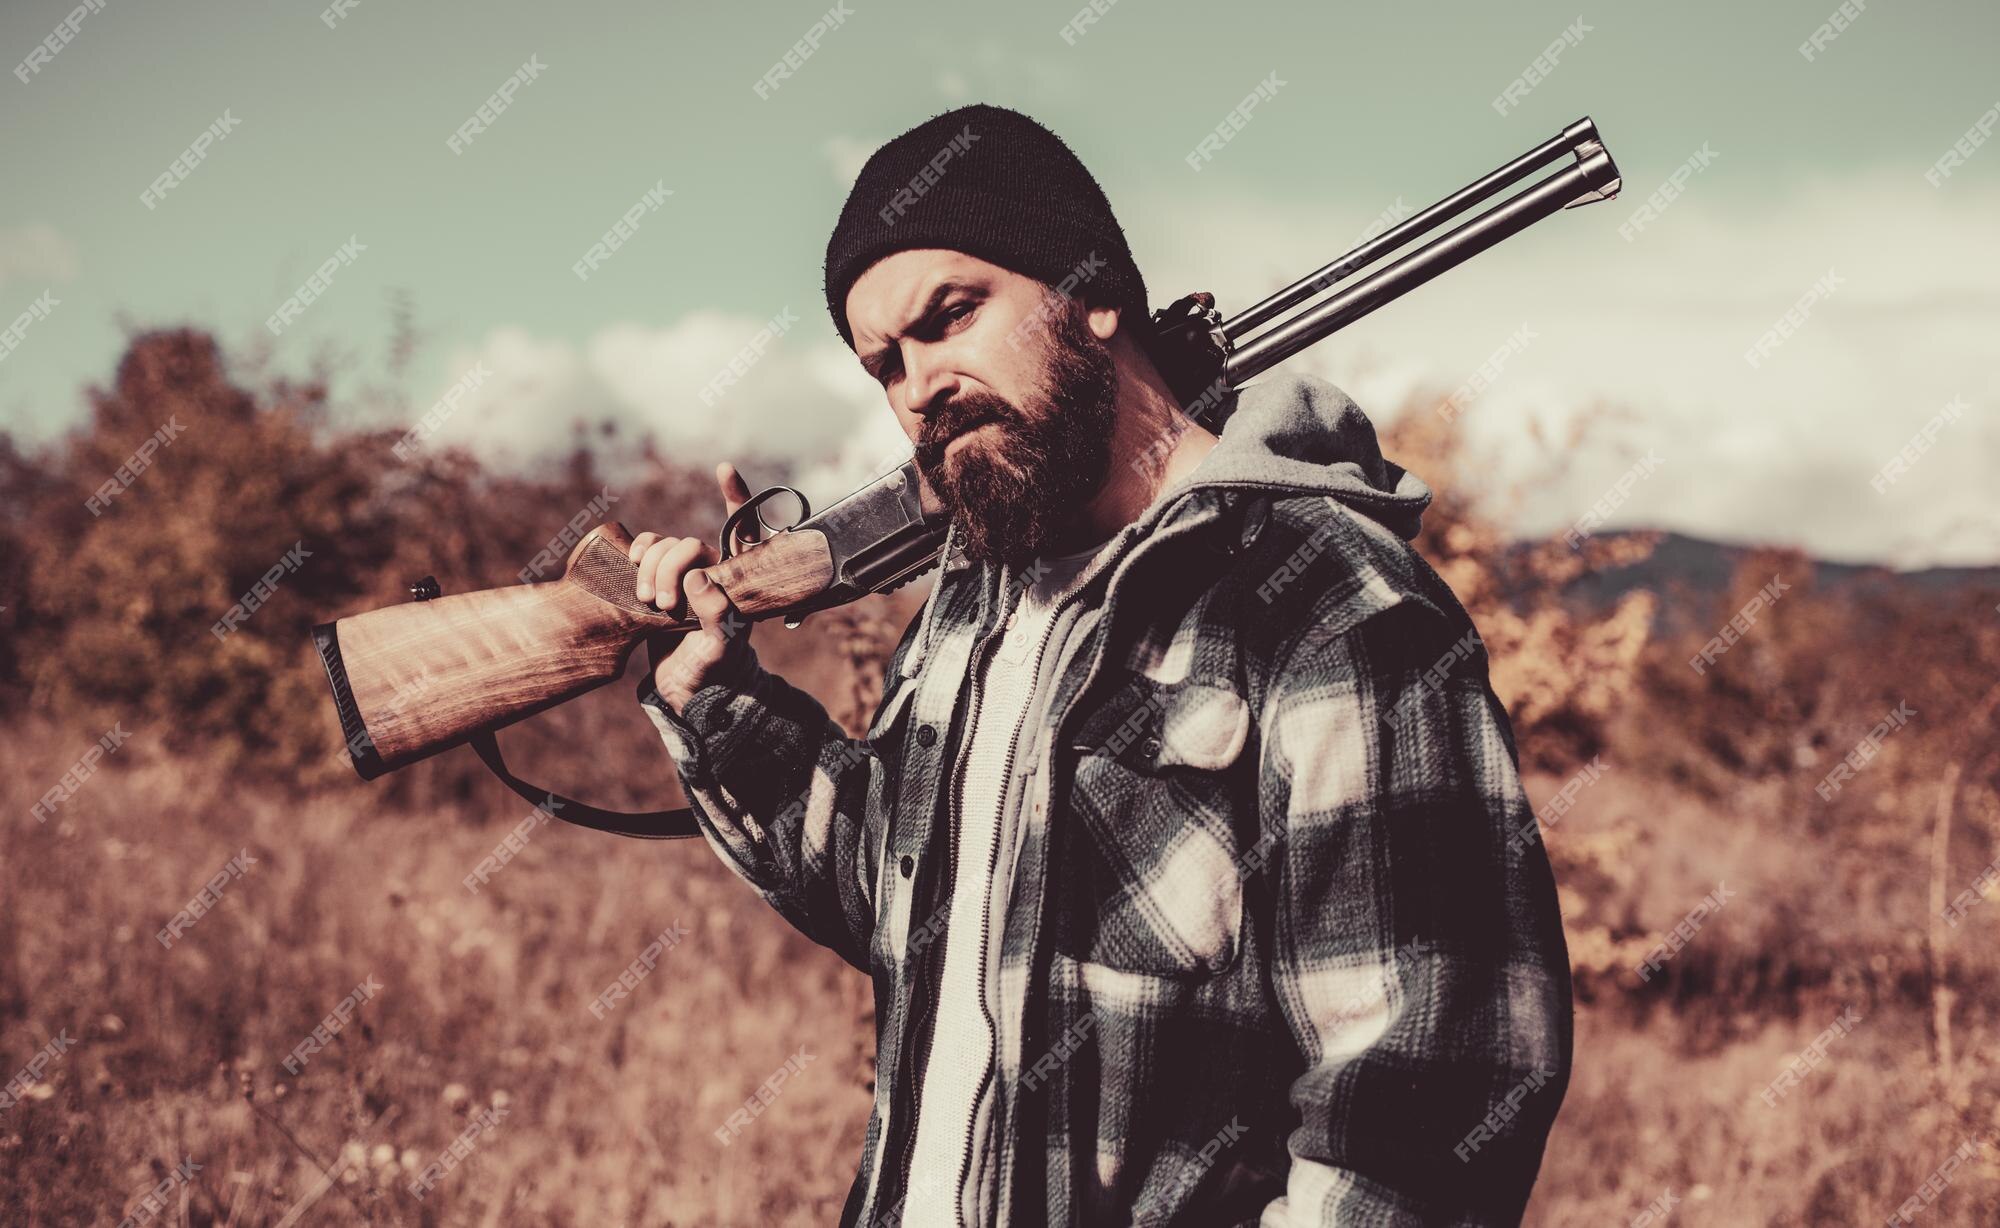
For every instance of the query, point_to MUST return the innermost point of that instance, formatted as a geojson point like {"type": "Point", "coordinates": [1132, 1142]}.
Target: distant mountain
{"type": "Point", "coordinates": [1699, 571]}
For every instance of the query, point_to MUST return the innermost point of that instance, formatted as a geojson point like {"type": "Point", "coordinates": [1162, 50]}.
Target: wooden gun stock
{"type": "Point", "coordinates": [414, 679]}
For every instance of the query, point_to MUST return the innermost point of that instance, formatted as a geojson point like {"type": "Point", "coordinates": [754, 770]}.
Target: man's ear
{"type": "Point", "coordinates": [1104, 320]}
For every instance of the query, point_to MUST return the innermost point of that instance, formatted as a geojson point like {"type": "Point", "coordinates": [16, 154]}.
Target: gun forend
{"type": "Point", "coordinates": [414, 679]}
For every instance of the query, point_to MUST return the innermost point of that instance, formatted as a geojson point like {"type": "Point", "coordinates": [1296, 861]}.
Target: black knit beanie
{"type": "Point", "coordinates": [991, 183]}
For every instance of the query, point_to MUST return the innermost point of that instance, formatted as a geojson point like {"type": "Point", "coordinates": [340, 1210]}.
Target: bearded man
{"type": "Point", "coordinates": [1180, 848]}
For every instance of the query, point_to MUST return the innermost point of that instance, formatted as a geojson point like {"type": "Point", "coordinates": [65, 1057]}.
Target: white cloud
{"type": "Point", "coordinates": [847, 155]}
{"type": "Point", "coordinates": [1657, 328]}
{"type": "Point", "coordinates": [1782, 452]}
{"type": "Point", "coordinates": [1040, 72]}
{"type": "Point", "coordinates": [804, 403]}
{"type": "Point", "coordinates": [36, 252]}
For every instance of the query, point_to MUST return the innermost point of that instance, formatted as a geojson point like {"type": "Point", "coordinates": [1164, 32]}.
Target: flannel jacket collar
{"type": "Point", "coordinates": [1285, 435]}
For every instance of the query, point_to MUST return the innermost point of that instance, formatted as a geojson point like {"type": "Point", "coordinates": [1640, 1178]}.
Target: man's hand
{"type": "Point", "coordinates": [685, 661]}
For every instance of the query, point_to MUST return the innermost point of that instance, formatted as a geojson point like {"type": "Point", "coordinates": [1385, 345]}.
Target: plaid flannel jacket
{"type": "Point", "coordinates": [1270, 954]}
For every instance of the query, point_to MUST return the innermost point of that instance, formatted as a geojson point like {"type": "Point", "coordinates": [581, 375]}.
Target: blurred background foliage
{"type": "Point", "coordinates": [1707, 779]}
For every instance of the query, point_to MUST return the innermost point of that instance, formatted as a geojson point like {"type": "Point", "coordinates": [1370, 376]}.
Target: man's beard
{"type": "Point", "coordinates": [1013, 493]}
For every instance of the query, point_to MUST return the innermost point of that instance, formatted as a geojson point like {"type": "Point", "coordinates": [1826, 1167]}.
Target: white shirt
{"type": "Point", "coordinates": [959, 1071]}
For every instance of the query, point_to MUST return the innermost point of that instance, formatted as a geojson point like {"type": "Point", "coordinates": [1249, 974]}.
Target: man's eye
{"type": "Point", "coordinates": [958, 311]}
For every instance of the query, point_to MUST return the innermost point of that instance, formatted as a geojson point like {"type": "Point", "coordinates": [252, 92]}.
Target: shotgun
{"type": "Point", "coordinates": [414, 679]}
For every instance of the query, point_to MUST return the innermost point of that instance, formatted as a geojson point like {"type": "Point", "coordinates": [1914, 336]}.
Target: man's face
{"type": "Point", "coordinates": [1005, 388]}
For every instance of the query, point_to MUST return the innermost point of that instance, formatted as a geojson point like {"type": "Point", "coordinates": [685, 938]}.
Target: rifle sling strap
{"type": "Point", "coordinates": [640, 825]}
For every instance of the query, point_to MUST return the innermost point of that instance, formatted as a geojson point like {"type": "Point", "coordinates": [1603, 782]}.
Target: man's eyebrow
{"type": "Point", "coordinates": [871, 362]}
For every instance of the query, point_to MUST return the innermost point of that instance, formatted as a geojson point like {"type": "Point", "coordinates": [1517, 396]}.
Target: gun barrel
{"type": "Point", "coordinates": [1594, 177]}
{"type": "Point", "coordinates": [1579, 139]}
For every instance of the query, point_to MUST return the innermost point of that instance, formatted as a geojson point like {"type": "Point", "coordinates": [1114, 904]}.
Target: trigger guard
{"type": "Point", "coordinates": [752, 507]}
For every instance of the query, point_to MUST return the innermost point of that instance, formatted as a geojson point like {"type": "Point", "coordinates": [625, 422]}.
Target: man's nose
{"type": "Point", "coordinates": [927, 386]}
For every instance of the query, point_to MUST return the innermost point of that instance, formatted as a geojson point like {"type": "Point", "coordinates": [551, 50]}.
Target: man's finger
{"type": "Point", "coordinates": [713, 607]}
{"type": "Point", "coordinates": [735, 491]}
{"type": "Point", "coordinates": [649, 569]}
{"type": "Point", "coordinates": [675, 562]}
{"type": "Point", "coordinates": [640, 544]}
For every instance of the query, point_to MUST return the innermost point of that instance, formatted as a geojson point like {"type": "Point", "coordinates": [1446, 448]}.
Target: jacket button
{"type": "Point", "coordinates": [1254, 515]}
{"type": "Point", "coordinates": [723, 718]}
{"type": "Point", "coordinates": [1150, 748]}
{"type": "Point", "coordinates": [908, 865]}
{"type": "Point", "coordinates": [926, 736]}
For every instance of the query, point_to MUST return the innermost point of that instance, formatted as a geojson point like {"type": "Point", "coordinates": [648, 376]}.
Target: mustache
{"type": "Point", "coordinates": [958, 416]}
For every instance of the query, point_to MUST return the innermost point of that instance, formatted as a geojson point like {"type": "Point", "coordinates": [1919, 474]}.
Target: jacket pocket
{"type": "Point", "coordinates": [1152, 883]}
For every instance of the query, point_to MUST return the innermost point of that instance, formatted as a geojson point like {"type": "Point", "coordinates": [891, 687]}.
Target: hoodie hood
{"type": "Point", "coordinates": [1287, 435]}
{"type": "Point", "coordinates": [1300, 434]}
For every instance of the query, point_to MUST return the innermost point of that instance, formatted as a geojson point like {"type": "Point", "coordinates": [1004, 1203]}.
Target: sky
{"type": "Point", "coordinates": [1802, 138]}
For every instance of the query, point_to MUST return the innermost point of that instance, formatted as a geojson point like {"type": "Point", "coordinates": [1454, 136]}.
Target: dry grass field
{"type": "Point", "coordinates": [474, 1053]}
